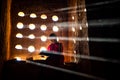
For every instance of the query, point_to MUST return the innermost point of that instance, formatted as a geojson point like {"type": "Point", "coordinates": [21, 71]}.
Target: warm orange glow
{"type": "Point", "coordinates": [40, 57]}
{"type": "Point", "coordinates": [18, 58]}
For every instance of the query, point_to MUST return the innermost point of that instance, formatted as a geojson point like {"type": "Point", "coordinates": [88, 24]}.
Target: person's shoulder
{"type": "Point", "coordinates": [58, 43]}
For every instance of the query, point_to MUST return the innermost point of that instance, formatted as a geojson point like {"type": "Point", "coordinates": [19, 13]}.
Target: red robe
{"type": "Point", "coordinates": [57, 47]}
{"type": "Point", "coordinates": [57, 60]}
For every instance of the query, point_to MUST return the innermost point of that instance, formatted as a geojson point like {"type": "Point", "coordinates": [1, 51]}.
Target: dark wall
{"type": "Point", "coordinates": [104, 23]}
{"type": "Point", "coordinates": [2, 33]}
{"type": "Point", "coordinates": [103, 31]}
{"type": "Point", "coordinates": [20, 70]}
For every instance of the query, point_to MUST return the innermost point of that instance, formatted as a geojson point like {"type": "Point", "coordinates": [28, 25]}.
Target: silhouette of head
{"type": "Point", "coordinates": [53, 37]}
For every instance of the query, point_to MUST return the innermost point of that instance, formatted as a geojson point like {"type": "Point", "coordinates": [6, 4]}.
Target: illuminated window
{"type": "Point", "coordinates": [18, 46]}
{"type": "Point", "coordinates": [43, 16]}
{"type": "Point", "coordinates": [33, 15]}
{"type": "Point", "coordinates": [31, 48]}
{"type": "Point", "coordinates": [31, 36]}
{"type": "Point", "coordinates": [55, 28]}
{"type": "Point", "coordinates": [20, 25]}
{"type": "Point", "coordinates": [21, 14]}
{"type": "Point", "coordinates": [31, 26]}
{"type": "Point", "coordinates": [55, 18]}
{"type": "Point", "coordinates": [43, 38]}
{"type": "Point", "coordinates": [43, 27]}
{"type": "Point", "coordinates": [19, 35]}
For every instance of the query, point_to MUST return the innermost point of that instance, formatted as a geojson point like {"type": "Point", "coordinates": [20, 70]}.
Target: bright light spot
{"type": "Point", "coordinates": [87, 38]}
{"type": "Point", "coordinates": [31, 48]}
{"type": "Point", "coordinates": [20, 25]}
{"type": "Point", "coordinates": [43, 49]}
{"type": "Point", "coordinates": [79, 14]}
{"type": "Point", "coordinates": [43, 16]}
{"type": "Point", "coordinates": [33, 15]}
{"type": "Point", "coordinates": [86, 24]}
{"type": "Point", "coordinates": [57, 39]}
{"type": "Point", "coordinates": [43, 57]}
{"type": "Point", "coordinates": [18, 58]}
{"type": "Point", "coordinates": [74, 40]}
{"type": "Point", "coordinates": [74, 51]}
{"type": "Point", "coordinates": [43, 27]}
{"type": "Point", "coordinates": [73, 29]}
{"type": "Point", "coordinates": [55, 28]}
{"type": "Point", "coordinates": [21, 14]}
{"type": "Point", "coordinates": [18, 46]}
{"type": "Point", "coordinates": [80, 27]}
{"type": "Point", "coordinates": [55, 18]}
{"type": "Point", "coordinates": [19, 35]}
{"type": "Point", "coordinates": [31, 36]}
{"type": "Point", "coordinates": [85, 10]}
{"type": "Point", "coordinates": [43, 38]}
{"type": "Point", "coordinates": [73, 17]}
{"type": "Point", "coordinates": [31, 26]}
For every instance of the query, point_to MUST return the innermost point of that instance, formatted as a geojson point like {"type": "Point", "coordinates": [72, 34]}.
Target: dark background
{"type": "Point", "coordinates": [104, 22]}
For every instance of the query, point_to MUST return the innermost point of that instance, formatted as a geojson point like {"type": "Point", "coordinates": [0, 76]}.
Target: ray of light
{"type": "Point", "coordinates": [66, 70]}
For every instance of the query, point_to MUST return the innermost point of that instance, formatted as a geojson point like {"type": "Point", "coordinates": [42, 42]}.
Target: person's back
{"type": "Point", "coordinates": [56, 49]}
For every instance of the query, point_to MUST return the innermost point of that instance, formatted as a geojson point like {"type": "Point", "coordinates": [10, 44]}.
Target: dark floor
{"type": "Point", "coordinates": [20, 70]}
